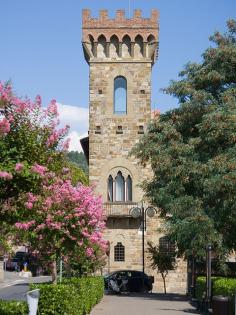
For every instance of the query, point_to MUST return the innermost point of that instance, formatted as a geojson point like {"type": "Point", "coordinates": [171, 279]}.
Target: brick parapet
{"type": "Point", "coordinates": [120, 25]}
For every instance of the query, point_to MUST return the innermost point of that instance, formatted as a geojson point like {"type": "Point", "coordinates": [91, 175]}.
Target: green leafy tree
{"type": "Point", "coordinates": [192, 152]}
{"type": "Point", "coordinates": [78, 158]}
{"type": "Point", "coordinates": [77, 174]}
{"type": "Point", "coordinates": [161, 260]}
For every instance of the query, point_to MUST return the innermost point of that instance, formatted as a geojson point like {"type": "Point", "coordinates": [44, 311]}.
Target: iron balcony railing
{"type": "Point", "coordinates": [115, 209]}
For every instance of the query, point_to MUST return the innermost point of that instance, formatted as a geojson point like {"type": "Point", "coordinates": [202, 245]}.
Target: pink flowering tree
{"type": "Point", "coordinates": [29, 135]}
{"type": "Point", "coordinates": [31, 145]}
{"type": "Point", "coordinates": [64, 221]}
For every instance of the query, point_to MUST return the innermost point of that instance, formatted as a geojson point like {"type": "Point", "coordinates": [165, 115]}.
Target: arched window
{"type": "Point", "coordinates": [129, 188]}
{"type": "Point", "coordinates": [138, 46]}
{"type": "Point", "coordinates": [114, 46]}
{"type": "Point", "coordinates": [120, 187]}
{"type": "Point", "coordinates": [120, 96]}
{"type": "Point", "coordinates": [101, 48]}
{"type": "Point", "coordinates": [110, 188]}
{"type": "Point", "coordinates": [126, 46]}
{"type": "Point", "coordinates": [119, 252]}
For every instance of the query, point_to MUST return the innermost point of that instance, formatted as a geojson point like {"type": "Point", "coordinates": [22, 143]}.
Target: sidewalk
{"type": "Point", "coordinates": [141, 304]}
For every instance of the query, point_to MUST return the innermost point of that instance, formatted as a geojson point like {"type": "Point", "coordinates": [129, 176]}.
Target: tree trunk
{"type": "Point", "coordinates": [164, 282]}
{"type": "Point", "coordinates": [54, 272]}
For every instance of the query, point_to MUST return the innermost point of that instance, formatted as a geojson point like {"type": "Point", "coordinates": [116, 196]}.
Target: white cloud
{"type": "Point", "coordinates": [75, 140]}
{"type": "Point", "coordinates": [77, 118]}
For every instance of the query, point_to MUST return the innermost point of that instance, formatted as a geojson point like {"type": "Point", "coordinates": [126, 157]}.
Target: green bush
{"type": "Point", "coordinates": [225, 286]}
{"type": "Point", "coordinates": [13, 308]}
{"type": "Point", "coordinates": [220, 286]}
{"type": "Point", "coordinates": [201, 286]}
{"type": "Point", "coordinates": [74, 296]}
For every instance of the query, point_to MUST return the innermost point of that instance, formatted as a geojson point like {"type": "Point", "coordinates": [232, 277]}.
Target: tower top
{"type": "Point", "coordinates": [120, 38]}
{"type": "Point", "coordinates": [120, 25]}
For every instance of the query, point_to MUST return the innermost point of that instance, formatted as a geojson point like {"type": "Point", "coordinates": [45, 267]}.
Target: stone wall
{"type": "Point", "coordinates": [110, 148]}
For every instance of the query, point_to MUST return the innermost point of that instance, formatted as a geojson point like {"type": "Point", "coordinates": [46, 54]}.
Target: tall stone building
{"type": "Point", "coordinates": [120, 53]}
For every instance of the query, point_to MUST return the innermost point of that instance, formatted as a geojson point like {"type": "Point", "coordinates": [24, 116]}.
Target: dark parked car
{"type": "Point", "coordinates": [135, 281]}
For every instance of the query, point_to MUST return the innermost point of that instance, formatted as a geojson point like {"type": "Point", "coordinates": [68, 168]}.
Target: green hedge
{"type": "Point", "coordinates": [220, 286]}
{"type": "Point", "coordinates": [74, 296]}
{"type": "Point", "coordinates": [13, 308]}
{"type": "Point", "coordinates": [201, 286]}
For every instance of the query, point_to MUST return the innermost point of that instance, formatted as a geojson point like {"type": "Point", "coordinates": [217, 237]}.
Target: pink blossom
{"type": "Point", "coordinates": [52, 108]}
{"type": "Point", "coordinates": [65, 170]}
{"type": "Point", "coordinates": [66, 144]}
{"type": "Point", "coordinates": [5, 175]}
{"type": "Point", "coordinates": [38, 100]}
{"type": "Point", "coordinates": [39, 169]}
{"type": "Point", "coordinates": [89, 251]}
{"type": "Point", "coordinates": [4, 126]}
{"type": "Point", "coordinates": [32, 198]}
{"type": "Point", "coordinates": [24, 226]}
{"type": "Point", "coordinates": [29, 205]}
{"type": "Point", "coordinates": [19, 167]}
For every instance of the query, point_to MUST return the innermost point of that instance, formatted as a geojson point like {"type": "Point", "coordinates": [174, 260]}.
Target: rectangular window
{"type": "Point", "coordinates": [119, 252]}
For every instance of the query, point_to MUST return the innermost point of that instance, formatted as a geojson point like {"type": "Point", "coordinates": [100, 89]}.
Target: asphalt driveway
{"type": "Point", "coordinates": [144, 304]}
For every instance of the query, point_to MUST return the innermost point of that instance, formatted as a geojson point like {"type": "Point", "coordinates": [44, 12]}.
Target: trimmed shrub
{"type": "Point", "coordinates": [13, 308]}
{"type": "Point", "coordinates": [225, 286]}
{"type": "Point", "coordinates": [220, 286]}
{"type": "Point", "coordinates": [201, 287]}
{"type": "Point", "coordinates": [74, 296]}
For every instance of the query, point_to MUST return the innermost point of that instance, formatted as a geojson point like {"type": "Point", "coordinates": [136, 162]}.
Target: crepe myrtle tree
{"type": "Point", "coordinates": [63, 221]}
{"type": "Point", "coordinates": [30, 139]}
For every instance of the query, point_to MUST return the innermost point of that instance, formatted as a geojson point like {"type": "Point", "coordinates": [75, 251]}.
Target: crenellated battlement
{"type": "Point", "coordinates": [120, 37]}
{"type": "Point", "coordinates": [137, 21]}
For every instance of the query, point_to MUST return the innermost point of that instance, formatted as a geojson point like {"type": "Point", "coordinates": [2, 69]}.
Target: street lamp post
{"type": "Point", "coordinates": [140, 212]}
{"type": "Point", "coordinates": [208, 275]}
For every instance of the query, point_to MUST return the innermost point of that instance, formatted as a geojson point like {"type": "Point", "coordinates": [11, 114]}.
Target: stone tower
{"type": "Point", "coordinates": [120, 53]}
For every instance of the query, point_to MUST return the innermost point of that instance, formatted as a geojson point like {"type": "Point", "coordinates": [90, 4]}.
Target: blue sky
{"type": "Point", "coordinates": [41, 52]}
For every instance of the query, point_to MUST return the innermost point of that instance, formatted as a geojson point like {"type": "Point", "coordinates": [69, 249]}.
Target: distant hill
{"type": "Point", "coordinates": [79, 159]}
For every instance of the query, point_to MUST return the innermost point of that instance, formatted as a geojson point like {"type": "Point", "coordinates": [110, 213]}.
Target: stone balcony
{"type": "Point", "coordinates": [118, 209]}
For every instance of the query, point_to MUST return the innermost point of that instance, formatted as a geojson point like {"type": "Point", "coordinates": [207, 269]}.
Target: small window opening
{"type": "Point", "coordinates": [140, 130]}
{"type": "Point", "coordinates": [119, 130]}
{"type": "Point", "coordinates": [142, 91]}
{"type": "Point", "coordinates": [99, 91]}
{"type": "Point", "coordinates": [98, 130]}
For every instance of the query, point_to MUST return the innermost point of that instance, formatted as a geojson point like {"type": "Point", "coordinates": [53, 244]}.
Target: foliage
{"type": "Point", "coordinates": [192, 152]}
{"type": "Point", "coordinates": [220, 286]}
{"type": "Point", "coordinates": [77, 174]}
{"type": "Point", "coordinates": [75, 296]}
{"type": "Point", "coordinates": [13, 308]}
{"type": "Point", "coordinates": [162, 261]}
{"type": "Point", "coordinates": [78, 158]}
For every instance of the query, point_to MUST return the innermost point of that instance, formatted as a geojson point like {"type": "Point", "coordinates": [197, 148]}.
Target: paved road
{"type": "Point", "coordinates": [15, 287]}
{"type": "Point", "coordinates": [140, 304]}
